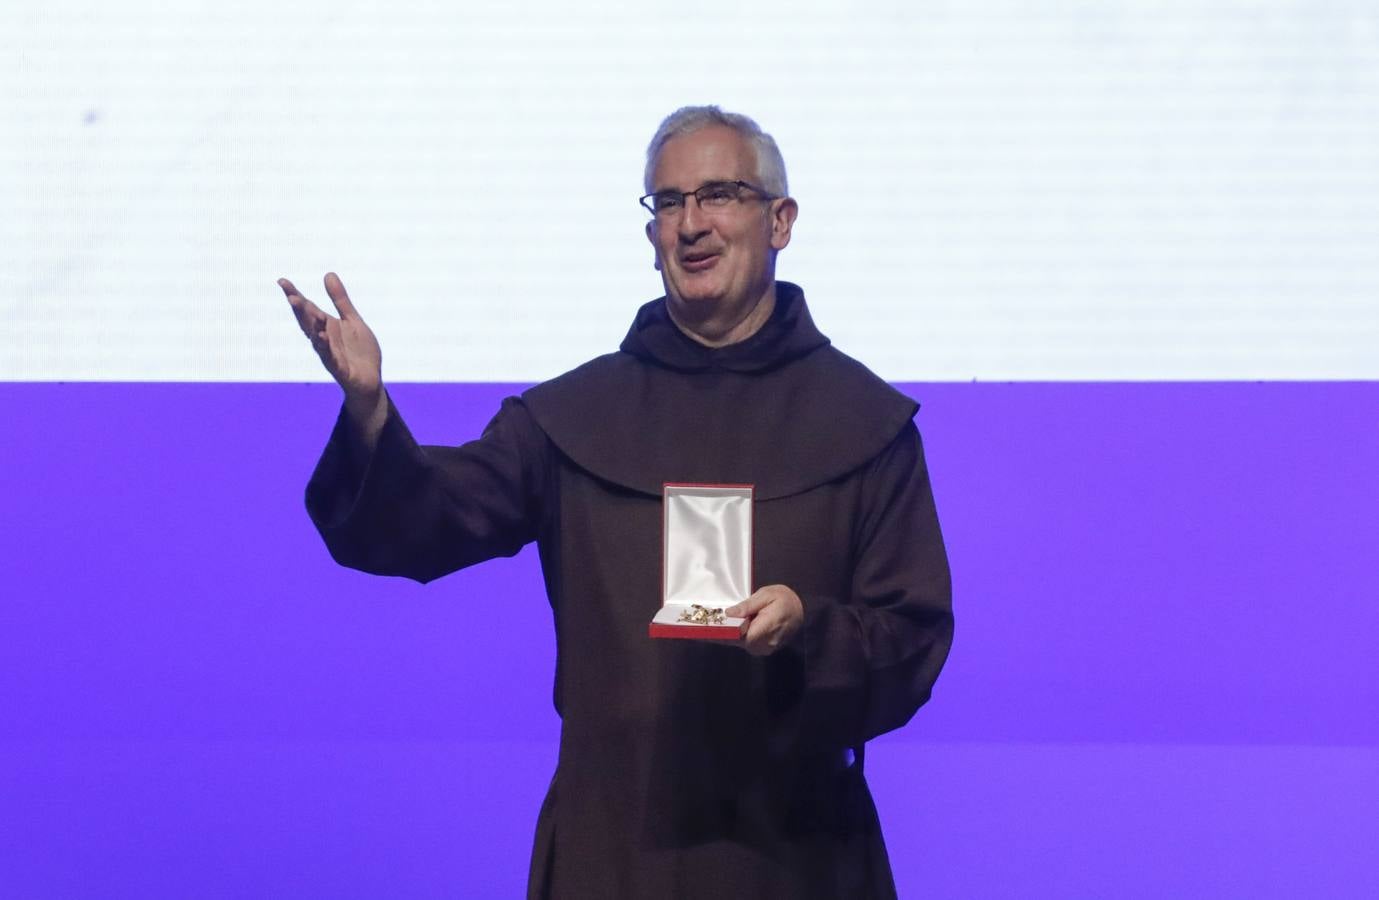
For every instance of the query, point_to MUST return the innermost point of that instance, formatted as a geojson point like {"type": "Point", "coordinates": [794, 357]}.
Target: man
{"type": "Point", "coordinates": [687, 768]}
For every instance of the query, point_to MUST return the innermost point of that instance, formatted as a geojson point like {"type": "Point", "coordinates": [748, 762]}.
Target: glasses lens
{"type": "Point", "coordinates": [717, 193]}
{"type": "Point", "coordinates": [667, 201]}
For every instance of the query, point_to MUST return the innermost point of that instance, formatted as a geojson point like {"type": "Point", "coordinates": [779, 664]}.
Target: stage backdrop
{"type": "Point", "coordinates": [1122, 254]}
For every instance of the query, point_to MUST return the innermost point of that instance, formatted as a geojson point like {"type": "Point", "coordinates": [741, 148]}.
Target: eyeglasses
{"type": "Point", "coordinates": [714, 196]}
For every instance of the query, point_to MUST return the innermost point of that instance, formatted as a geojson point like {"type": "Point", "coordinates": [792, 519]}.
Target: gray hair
{"type": "Point", "coordinates": [770, 164]}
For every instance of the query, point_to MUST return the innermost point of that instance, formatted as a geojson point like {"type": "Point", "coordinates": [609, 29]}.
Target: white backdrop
{"type": "Point", "coordinates": [990, 190]}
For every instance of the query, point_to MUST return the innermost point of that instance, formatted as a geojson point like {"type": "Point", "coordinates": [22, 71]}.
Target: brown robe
{"type": "Point", "coordinates": [690, 769]}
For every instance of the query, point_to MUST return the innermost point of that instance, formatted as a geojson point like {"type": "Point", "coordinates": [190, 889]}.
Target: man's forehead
{"type": "Point", "coordinates": [713, 153]}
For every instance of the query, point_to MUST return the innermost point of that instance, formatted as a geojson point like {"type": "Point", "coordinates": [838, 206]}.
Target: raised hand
{"type": "Point", "coordinates": [348, 350]}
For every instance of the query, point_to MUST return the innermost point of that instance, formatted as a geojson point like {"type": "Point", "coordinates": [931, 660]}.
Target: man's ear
{"type": "Point", "coordinates": [652, 238]}
{"type": "Point", "coordinates": [783, 213]}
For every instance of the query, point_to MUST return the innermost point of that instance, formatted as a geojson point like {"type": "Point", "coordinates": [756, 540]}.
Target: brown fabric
{"type": "Point", "coordinates": [689, 769]}
{"type": "Point", "coordinates": [768, 411]}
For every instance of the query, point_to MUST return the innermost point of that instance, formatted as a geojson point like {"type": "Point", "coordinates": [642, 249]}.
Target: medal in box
{"type": "Point", "coordinates": [706, 560]}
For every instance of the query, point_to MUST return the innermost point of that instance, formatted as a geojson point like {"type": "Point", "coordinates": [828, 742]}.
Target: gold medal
{"type": "Point", "coordinates": [701, 615]}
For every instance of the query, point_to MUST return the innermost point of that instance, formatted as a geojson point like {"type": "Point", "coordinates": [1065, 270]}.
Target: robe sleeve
{"type": "Point", "coordinates": [871, 659]}
{"type": "Point", "coordinates": [423, 512]}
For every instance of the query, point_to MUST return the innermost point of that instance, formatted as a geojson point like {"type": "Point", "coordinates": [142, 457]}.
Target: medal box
{"type": "Point", "coordinates": [706, 553]}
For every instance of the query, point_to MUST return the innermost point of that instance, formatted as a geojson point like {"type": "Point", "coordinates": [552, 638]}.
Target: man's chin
{"type": "Point", "coordinates": [696, 304]}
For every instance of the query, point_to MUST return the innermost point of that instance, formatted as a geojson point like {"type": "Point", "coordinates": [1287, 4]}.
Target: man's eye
{"type": "Point", "coordinates": [718, 193]}
{"type": "Point", "coordinates": [668, 201]}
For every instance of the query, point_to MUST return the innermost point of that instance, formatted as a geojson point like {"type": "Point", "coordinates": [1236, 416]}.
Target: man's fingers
{"type": "Point", "coordinates": [763, 636]}
{"type": "Point", "coordinates": [776, 614]}
{"type": "Point", "coordinates": [334, 341]}
{"type": "Point", "coordinates": [294, 299]}
{"type": "Point", "coordinates": [336, 289]}
{"type": "Point", "coordinates": [749, 607]}
{"type": "Point", "coordinates": [309, 316]}
{"type": "Point", "coordinates": [745, 610]}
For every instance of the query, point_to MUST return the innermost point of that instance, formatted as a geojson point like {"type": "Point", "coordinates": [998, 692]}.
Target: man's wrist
{"type": "Point", "coordinates": [367, 413]}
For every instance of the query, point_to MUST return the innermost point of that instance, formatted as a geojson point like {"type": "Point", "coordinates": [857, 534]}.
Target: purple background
{"type": "Point", "coordinates": [1163, 681]}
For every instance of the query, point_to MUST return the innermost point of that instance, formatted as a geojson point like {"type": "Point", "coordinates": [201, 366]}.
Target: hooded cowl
{"type": "Point", "coordinates": [782, 410]}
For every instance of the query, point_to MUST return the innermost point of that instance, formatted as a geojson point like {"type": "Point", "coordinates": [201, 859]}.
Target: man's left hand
{"type": "Point", "coordinates": [774, 613]}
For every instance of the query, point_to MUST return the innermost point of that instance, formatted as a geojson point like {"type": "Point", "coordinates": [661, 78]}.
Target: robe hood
{"type": "Point", "coordinates": [782, 410]}
{"type": "Point", "coordinates": [789, 334]}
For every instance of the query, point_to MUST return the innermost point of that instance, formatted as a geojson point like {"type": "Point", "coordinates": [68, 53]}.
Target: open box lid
{"type": "Point", "coordinates": [707, 555]}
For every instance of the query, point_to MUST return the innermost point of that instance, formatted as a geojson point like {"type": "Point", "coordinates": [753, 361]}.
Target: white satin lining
{"type": "Point", "coordinates": [708, 545]}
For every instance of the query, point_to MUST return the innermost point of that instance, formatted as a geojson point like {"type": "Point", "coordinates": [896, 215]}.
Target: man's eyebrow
{"type": "Point", "coordinates": [703, 183]}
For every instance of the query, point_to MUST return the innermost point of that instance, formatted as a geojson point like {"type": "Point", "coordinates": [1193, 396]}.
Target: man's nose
{"type": "Point", "coordinates": [694, 222]}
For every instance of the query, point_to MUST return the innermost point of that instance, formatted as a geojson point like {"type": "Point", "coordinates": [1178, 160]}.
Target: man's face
{"type": "Point", "coordinates": [716, 263]}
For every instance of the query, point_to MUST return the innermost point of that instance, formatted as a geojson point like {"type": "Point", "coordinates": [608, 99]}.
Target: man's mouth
{"type": "Point", "coordinates": [698, 262]}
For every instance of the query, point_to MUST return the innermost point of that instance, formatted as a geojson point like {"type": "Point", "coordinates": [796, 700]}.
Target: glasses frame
{"type": "Point", "coordinates": [648, 200]}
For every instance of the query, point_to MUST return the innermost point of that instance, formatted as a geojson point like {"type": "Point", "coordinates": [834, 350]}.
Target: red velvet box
{"type": "Point", "coordinates": [706, 554]}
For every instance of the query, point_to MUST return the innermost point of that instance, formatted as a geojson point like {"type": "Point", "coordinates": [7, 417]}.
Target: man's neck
{"type": "Point", "coordinates": [707, 334]}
